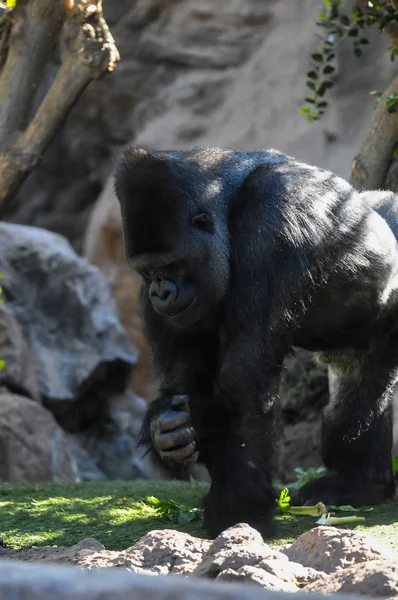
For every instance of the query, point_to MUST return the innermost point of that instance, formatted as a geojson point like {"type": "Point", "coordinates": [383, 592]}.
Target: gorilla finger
{"type": "Point", "coordinates": [180, 402]}
{"type": "Point", "coordinates": [171, 419]}
{"type": "Point", "coordinates": [178, 437]}
{"type": "Point", "coordinates": [192, 459]}
{"type": "Point", "coordinates": [179, 455]}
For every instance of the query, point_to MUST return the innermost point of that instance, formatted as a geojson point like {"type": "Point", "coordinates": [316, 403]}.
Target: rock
{"type": "Point", "coordinates": [236, 547]}
{"type": "Point", "coordinates": [329, 549]}
{"type": "Point", "coordinates": [375, 578]}
{"type": "Point", "coordinates": [19, 373]}
{"type": "Point", "coordinates": [104, 247]}
{"type": "Point", "coordinates": [258, 576]}
{"type": "Point", "coordinates": [291, 572]}
{"type": "Point", "coordinates": [112, 442]}
{"type": "Point", "coordinates": [274, 574]}
{"type": "Point", "coordinates": [72, 555]}
{"type": "Point", "coordinates": [20, 581]}
{"type": "Point", "coordinates": [240, 534]}
{"type": "Point", "coordinates": [68, 317]}
{"type": "Point", "coordinates": [32, 446]}
{"type": "Point", "coordinates": [159, 552]}
{"type": "Point", "coordinates": [85, 464]}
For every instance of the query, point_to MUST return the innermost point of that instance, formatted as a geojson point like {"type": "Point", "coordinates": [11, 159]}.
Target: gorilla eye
{"type": "Point", "coordinates": [203, 221]}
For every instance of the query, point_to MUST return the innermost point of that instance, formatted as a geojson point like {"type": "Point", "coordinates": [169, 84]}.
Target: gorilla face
{"type": "Point", "coordinates": [185, 286]}
{"type": "Point", "coordinates": [175, 238]}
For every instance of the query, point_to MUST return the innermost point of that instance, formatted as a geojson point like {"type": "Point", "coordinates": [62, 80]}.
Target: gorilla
{"type": "Point", "coordinates": [243, 257]}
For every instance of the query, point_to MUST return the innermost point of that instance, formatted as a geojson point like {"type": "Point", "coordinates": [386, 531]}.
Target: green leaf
{"type": "Point", "coordinates": [317, 57]}
{"type": "Point", "coordinates": [395, 464]}
{"type": "Point", "coordinates": [312, 75]}
{"type": "Point", "coordinates": [304, 110]}
{"type": "Point", "coordinates": [364, 41]}
{"type": "Point", "coordinates": [284, 499]}
{"type": "Point", "coordinates": [173, 511]}
{"type": "Point", "coordinates": [353, 32]}
{"type": "Point", "coordinates": [323, 87]}
{"type": "Point", "coordinates": [322, 104]}
{"type": "Point", "coordinates": [358, 52]}
{"type": "Point", "coordinates": [345, 20]}
{"type": "Point", "coordinates": [328, 69]}
{"type": "Point", "coordinates": [311, 85]}
{"type": "Point", "coordinates": [310, 100]}
{"type": "Point", "coordinates": [2, 364]}
{"type": "Point", "coordinates": [11, 3]}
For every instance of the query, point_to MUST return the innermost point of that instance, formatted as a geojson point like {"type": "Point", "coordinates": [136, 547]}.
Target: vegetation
{"type": "Point", "coordinates": [117, 514]}
{"type": "Point", "coordinates": [375, 166]}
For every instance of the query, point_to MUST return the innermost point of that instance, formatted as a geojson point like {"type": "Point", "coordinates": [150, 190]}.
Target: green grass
{"type": "Point", "coordinates": [112, 512]}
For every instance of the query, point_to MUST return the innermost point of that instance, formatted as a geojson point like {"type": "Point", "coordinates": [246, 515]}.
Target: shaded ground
{"type": "Point", "coordinates": [113, 512]}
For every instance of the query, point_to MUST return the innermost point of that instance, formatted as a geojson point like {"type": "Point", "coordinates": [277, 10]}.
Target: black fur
{"type": "Point", "coordinates": [275, 254]}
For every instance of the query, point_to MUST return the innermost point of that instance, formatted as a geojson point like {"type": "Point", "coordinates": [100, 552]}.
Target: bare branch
{"type": "Point", "coordinates": [371, 165]}
{"type": "Point", "coordinates": [88, 51]}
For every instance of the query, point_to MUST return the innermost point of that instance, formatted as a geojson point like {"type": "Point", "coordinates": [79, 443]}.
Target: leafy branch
{"type": "Point", "coordinates": [338, 26]}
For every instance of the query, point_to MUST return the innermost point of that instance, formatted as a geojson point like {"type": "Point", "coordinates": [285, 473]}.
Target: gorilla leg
{"type": "Point", "coordinates": [356, 441]}
{"type": "Point", "coordinates": [240, 461]}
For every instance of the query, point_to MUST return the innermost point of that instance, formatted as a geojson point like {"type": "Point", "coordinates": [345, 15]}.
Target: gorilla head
{"type": "Point", "coordinates": [174, 237]}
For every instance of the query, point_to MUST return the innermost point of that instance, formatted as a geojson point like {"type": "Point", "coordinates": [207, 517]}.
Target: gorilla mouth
{"type": "Point", "coordinates": [184, 310]}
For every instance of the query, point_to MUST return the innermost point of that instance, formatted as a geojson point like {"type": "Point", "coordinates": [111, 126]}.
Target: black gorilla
{"type": "Point", "coordinates": [243, 256]}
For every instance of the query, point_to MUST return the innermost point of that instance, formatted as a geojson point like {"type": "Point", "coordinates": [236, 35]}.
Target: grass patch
{"type": "Point", "coordinates": [114, 513]}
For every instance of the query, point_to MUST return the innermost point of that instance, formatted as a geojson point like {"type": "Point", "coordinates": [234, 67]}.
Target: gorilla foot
{"type": "Point", "coordinates": [337, 491]}
{"type": "Point", "coordinates": [218, 514]}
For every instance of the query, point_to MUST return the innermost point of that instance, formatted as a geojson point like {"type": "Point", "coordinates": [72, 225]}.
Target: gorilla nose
{"type": "Point", "coordinates": [163, 294]}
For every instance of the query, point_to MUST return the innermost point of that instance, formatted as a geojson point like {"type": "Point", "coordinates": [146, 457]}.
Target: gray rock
{"type": "Point", "coordinates": [19, 373]}
{"type": "Point", "coordinates": [68, 317]}
{"type": "Point", "coordinates": [32, 445]}
{"type": "Point", "coordinates": [20, 581]}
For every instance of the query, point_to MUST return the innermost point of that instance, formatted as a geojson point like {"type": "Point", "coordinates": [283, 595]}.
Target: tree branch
{"type": "Point", "coordinates": [371, 165]}
{"type": "Point", "coordinates": [88, 51]}
{"type": "Point", "coordinates": [36, 26]}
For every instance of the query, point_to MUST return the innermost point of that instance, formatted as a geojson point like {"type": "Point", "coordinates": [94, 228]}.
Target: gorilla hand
{"type": "Point", "coordinates": [173, 436]}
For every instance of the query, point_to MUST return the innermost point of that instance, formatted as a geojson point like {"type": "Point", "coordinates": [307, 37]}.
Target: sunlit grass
{"type": "Point", "coordinates": [115, 514]}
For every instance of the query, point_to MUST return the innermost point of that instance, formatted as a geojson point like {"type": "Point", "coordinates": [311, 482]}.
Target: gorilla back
{"type": "Point", "coordinates": [244, 255]}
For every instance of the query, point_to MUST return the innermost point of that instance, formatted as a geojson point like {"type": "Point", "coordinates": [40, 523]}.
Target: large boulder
{"type": "Point", "coordinates": [68, 317]}
{"type": "Point", "coordinates": [65, 347]}
{"type": "Point", "coordinates": [103, 246]}
{"type": "Point", "coordinates": [32, 445]}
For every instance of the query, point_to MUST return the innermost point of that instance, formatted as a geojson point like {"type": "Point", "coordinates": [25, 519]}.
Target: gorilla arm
{"type": "Point", "coordinates": [184, 365]}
